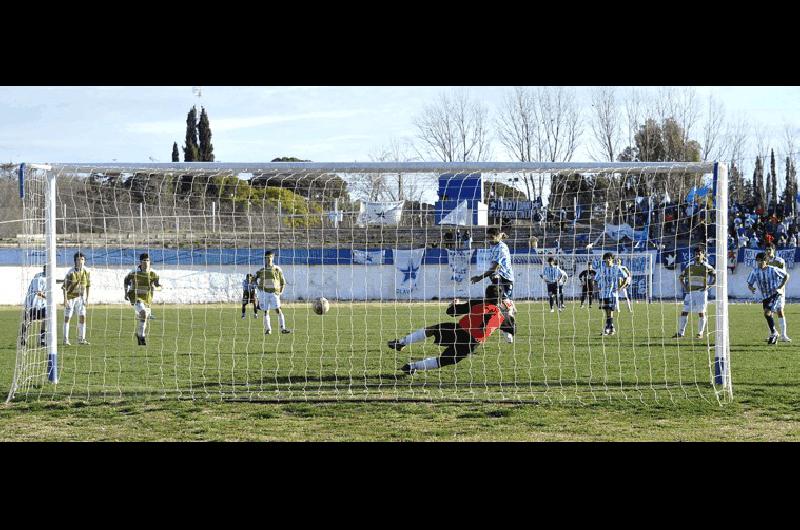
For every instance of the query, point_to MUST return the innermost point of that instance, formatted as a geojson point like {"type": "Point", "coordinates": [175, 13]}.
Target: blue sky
{"type": "Point", "coordinates": [249, 124]}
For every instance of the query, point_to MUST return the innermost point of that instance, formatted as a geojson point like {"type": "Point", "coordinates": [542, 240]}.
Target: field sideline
{"type": "Point", "coordinates": [616, 405]}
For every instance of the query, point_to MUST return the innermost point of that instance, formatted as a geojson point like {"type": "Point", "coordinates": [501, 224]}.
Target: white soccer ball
{"type": "Point", "coordinates": [321, 305]}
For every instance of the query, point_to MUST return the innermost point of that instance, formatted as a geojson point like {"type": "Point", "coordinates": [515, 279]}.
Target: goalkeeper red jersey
{"type": "Point", "coordinates": [481, 321]}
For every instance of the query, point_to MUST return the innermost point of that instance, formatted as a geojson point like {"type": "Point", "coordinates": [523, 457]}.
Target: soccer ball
{"type": "Point", "coordinates": [321, 305]}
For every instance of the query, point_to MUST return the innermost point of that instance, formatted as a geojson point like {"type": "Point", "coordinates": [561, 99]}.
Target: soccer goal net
{"type": "Point", "coordinates": [484, 281]}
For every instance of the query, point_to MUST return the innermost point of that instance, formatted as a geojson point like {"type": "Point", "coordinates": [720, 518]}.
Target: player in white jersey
{"type": "Point", "coordinates": [609, 278]}
{"type": "Point", "coordinates": [776, 261]}
{"type": "Point", "coordinates": [623, 289]}
{"type": "Point", "coordinates": [36, 307]}
{"type": "Point", "coordinates": [76, 297]}
{"type": "Point", "coordinates": [771, 282]}
{"type": "Point", "coordinates": [555, 278]}
{"type": "Point", "coordinates": [696, 279]}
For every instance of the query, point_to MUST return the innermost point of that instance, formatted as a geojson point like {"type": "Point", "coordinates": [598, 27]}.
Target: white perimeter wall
{"type": "Point", "coordinates": [223, 284]}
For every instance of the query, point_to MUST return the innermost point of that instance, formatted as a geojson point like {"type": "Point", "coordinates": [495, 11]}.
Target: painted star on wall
{"type": "Point", "coordinates": [409, 272]}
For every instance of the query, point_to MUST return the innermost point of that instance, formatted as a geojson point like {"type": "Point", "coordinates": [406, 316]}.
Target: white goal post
{"type": "Point", "coordinates": [204, 225]}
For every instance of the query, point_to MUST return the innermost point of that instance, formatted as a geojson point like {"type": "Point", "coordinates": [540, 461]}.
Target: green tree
{"type": "Point", "coordinates": [176, 156]}
{"type": "Point", "coordinates": [773, 183]}
{"type": "Point", "coordinates": [758, 183]}
{"type": "Point", "coordinates": [790, 192]}
{"type": "Point", "coordinates": [289, 159]}
{"type": "Point", "coordinates": [191, 150]}
{"type": "Point", "coordinates": [204, 130]}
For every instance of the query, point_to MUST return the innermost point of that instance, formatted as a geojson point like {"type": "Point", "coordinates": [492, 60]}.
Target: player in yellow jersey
{"type": "Point", "coordinates": [696, 279]}
{"type": "Point", "coordinates": [623, 288]}
{"type": "Point", "coordinates": [139, 286]}
{"type": "Point", "coordinates": [270, 284]}
{"type": "Point", "coordinates": [76, 297]}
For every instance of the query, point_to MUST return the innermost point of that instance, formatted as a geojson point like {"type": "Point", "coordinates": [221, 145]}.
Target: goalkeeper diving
{"type": "Point", "coordinates": [460, 339]}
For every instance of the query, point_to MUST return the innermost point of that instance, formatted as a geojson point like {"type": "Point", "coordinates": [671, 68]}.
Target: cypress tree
{"type": "Point", "coordinates": [774, 189]}
{"type": "Point", "coordinates": [204, 129]}
{"type": "Point", "coordinates": [176, 156]}
{"type": "Point", "coordinates": [191, 151]}
{"type": "Point", "coordinates": [758, 183]}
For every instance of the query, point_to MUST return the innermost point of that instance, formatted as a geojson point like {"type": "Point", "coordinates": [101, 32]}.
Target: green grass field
{"type": "Point", "coordinates": [206, 374]}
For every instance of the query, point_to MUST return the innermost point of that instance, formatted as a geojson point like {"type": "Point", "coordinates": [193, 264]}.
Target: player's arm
{"type": "Point", "coordinates": [65, 287]}
{"type": "Point", "coordinates": [88, 284]}
{"type": "Point", "coordinates": [713, 277]}
{"type": "Point", "coordinates": [751, 280]}
{"type": "Point", "coordinates": [282, 282]}
{"type": "Point", "coordinates": [461, 308]}
{"type": "Point", "coordinates": [155, 282]}
{"type": "Point", "coordinates": [492, 270]}
{"type": "Point", "coordinates": [785, 280]}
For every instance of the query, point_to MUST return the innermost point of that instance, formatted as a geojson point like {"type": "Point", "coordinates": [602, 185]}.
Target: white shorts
{"type": "Point", "coordinates": [267, 301]}
{"type": "Point", "coordinates": [623, 293]}
{"type": "Point", "coordinates": [75, 305]}
{"type": "Point", "coordinates": [695, 301]}
{"type": "Point", "coordinates": [140, 306]}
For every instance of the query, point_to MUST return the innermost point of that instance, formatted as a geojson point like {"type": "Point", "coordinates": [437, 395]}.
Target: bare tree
{"type": "Point", "coordinates": [734, 141]}
{"type": "Point", "coordinates": [605, 122]}
{"type": "Point", "coordinates": [634, 107]}
{"type": "Point", "coordinates": [561, 122]}
{"type": "Point", "coordinates": [454, 129]}
{"type": "Point", "coordinates": [762, 140]}
{"type": "Point", "coordinates": [715, 118]}
{"type": "Point", "coordinates": [397, 187]}
{"type": "Point", "coordinates": [519, 129]}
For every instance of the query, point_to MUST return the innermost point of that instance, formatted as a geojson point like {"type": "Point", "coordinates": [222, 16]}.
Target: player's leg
{"type": "Point", "coordinates": [551, 295]}
{"type": "Point", "coordinates": [23, 334]}
{"type": "Point", "coordinates": [82, 324]}
{"type": "Point", "coordinates": [627, 299]}
{"type": "Point", "coordinates": [416, 336]}
{"type": "Point", "coordinates": [682, 322]}
{"type": "Point", "coordinates": [773, 333]}
{"type": "Point", "coordinates": [42, 314]}
{"type": "Point", "coordinates": [265, 303]}
{"type": "Point", "coordinates": [282, 319]}
{"type": "Point", "coordinates": [245, 301]}
{"type": "Point", "coordinates": [701, 324]}
{"type": "Point", "coordinates": [254, 300]}
{"type": "Point", "coordinates": [561, 297]}
{"type": "Point", "coordinates": [142, 313]}
{"type": "Point", "coordinates": [68, 307]}
{"type": "Point", "coordinates": [780, 302]}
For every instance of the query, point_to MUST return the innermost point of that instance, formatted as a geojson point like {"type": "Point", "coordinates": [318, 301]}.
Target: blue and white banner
{"type": "Point", "coordinates": [408, 264]}
{"type": "Point", "coordinates": [617, 232]}
{"type": "Point", "coordinates": [787, 254]}
{"type": "Point", "coordinates": [459, 266]}
{"type": "Point", "coordinates": [380, 213]}
{"type": "Point", "coordinates": [368, 257]}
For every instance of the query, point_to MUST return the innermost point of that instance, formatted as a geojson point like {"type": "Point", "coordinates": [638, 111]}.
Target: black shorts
{"type": "Point", "coordinates": [451, 335]}
{"type": "Point", "coordinates": [506, 286]}
{"type": "Point", "coordinates": [249, 296]}
{"type": "Point", "coordinates": [553, 288]}
{"type": "Point", "coordinates": [769, 303]}
{"type": "Point", "coordinates": [37, 314]}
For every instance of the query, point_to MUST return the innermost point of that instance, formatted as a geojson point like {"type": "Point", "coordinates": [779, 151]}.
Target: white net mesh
{"type": "Point", "coordinates": [389, 246]}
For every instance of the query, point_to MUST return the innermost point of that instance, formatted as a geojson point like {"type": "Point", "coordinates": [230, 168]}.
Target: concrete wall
{"type": "Point", "coordinates": [223, 283]}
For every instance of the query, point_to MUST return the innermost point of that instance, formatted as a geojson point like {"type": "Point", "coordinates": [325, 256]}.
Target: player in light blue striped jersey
{"type": "Point", "coordinates": [609, 278]}
{"type": "Point", "coordinates": [770, 281]}
{"type": "Point", "coordinates": [555, 278]}
{"type": "Point", "coordinates": [500, 271]}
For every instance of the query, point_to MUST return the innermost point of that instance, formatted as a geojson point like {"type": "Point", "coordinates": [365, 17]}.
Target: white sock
{"type": "Point", "coordinates": [702, 326]}
{"type": "Point", "coordinates": [81, 331]}
{"type": "Point", "coordinates": [682, 327]}
{"type": "Point", "coordinates": [66, 331]}
{"type": "Point", "coordinates": [414, 336]}
{"type": "Point", "coordinates": [431, 363]}
{"type": "Point", "coordinates": [141, 327]}
{"type": "Point", "coordinates": [782, 322]}
{"type": "Point", "coordinates": [282, 321]}
{"type": "Point", "coordinates": [267, 323]}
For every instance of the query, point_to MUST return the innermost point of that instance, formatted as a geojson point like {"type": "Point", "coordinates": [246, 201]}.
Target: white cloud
{"type": "Point", "coordinates": [231, 124]}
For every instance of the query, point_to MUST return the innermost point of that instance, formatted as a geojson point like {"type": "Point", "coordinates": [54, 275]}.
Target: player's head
{"type": "Point", "coordinates": [618, 260]}
{"type": "Point", "coordinates": [589, 265]}
{"type": "Point", "coordinates": [699, 252]}
{"type": "Point", "coordinates": [269, 257]}
{"type": "Point", "coordinates": [608, 258]}
{"type": "Point", "coordinates": [493, 293]}
{"type": "Point", "coordinates": [248, 277]}
{"type": "Point", "coordinates": [144, 261]}
{"type": "Point", "coordinates": [770, 250]}
{"type": "Point", "coordinates": [79, 260]}
{"type": "Point", "coordinates": [761, 260]}
{"type": "Point", "coordinates": [552, 261]}
{"type": "Point", "coordinates": [495, 234]}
